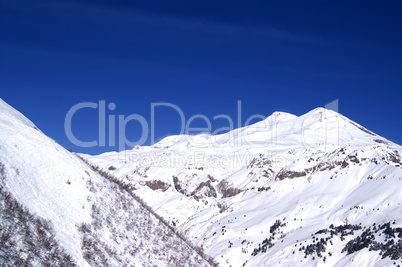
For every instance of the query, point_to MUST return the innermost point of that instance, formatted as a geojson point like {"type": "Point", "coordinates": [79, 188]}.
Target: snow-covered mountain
{"type": "Point", "coordinates": [56, 210]}
{"type": "Point", "coordinates": [313, 190]}
{"type": "Point", "coordinates": [318, 189]}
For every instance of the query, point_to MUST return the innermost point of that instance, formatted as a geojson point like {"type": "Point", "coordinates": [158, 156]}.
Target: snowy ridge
{"type": "Point", "coordinates": [318, 189]}
{"type": "Point", "coordinates": [73, 209]}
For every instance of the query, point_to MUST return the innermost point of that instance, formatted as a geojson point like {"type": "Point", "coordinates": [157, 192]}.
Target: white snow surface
{"type": "Point", "coordinates": [39, 180]}
{"type": "Point", "coordinates": [56, 185]}
{"type": "Point", "coordinates": [226, 191]}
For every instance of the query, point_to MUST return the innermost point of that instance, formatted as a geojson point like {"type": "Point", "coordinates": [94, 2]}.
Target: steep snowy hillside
{"type": "Point", "coordinates": [317, 189]}
{"type": "Point", "coordinates": [58, 211]}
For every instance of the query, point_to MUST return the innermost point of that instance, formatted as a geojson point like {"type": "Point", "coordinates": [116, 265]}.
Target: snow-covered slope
{"type": "Point", "coordinates": [58, 210]}
{"type": "Point", "coordinates": [318, 189]}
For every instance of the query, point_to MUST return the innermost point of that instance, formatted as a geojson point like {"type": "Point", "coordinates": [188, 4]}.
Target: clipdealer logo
{"type": "Point", "coordinates": [106, 117]}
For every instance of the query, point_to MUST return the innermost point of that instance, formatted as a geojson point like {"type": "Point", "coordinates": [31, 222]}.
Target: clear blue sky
{"type": "Point", "coordinates": [202, 56]}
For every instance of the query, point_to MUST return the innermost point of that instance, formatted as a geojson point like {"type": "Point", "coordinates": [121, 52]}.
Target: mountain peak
{"type": "Point", "coordinates": [322, 112]}
{"type": "Point", "coordinates": [283, 114]}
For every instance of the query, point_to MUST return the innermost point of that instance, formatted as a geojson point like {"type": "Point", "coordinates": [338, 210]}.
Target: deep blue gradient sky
{"type": "Point", "coordinates": [202, 56]}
